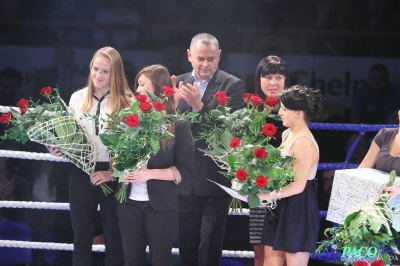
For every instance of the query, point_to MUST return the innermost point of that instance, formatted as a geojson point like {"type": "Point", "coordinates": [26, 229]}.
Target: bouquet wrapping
{"type": "Point", "coordinates": [53, 124]}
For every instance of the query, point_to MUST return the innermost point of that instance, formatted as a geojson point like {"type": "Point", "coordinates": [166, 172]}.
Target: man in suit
{"type": "Point", "coordinates": [203, 206]}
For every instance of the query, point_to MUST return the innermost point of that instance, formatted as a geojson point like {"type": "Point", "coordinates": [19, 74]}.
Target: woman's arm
{"type": "Point", "coordinates": [143, 174]}
{"type": "Point", "coordinates": [371, 156]}
{"type": "Point", "coordinates": [183, 163]}
{"type": "Point", "coordinates": [304, 152]}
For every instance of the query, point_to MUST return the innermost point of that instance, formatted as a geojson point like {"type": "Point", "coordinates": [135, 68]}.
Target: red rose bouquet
{"type": "Point", "coordinates": [52, 123]}
{"type": "Point", "coordinates": [239, 145]}
{"type": "Point", "coordinates": [134, 134]}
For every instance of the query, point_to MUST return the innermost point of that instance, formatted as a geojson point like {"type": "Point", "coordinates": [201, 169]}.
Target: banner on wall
{"type": "Point", "coordinates": [337, 77]}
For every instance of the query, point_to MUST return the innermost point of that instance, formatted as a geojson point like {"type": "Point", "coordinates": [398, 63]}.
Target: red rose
{"type": "Point", "coordinates": [46, 91]}
{"type": "Point", "coordinates": [361, 263]}
{"type": "Point", "coordinates": [272, 102]}
{"type": "Point", "coordinates": [168, 91]}
{"type": "Point", "coordinates": [221, 98]}
{"type": "Point", "coordinates": [378, 263]}
{"type": "Point", "coordinates": [158, 106]}
{"type": "Point", "coordinates": [23, 105]}
{"type": "Point", "coordinates": [132, 120]}
{"type": "Point", "coordinates": [255, 100]}
{"type": "Point", "coordinates": [247, 96]}
{"type": "Point", "coordinates": [260, 153]}
{"type": "Point", "coordinates": [141, 98]}
{"type": "Point", "coordinates": [241, 174]}
{"type": "Point", "coordinates": [145, 107]}
{"type": "Point", "coordinates": [269, 130]}
{"type": "Point", "coordinates": [261, 181]}
{"type": "Point", "coordinates": [5, 118]}
{"type": "Point", "coordinates": [235, 142]}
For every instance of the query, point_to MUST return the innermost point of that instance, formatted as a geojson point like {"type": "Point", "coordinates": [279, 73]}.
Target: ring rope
{"type": "Point", "coordinates": [361, 128]}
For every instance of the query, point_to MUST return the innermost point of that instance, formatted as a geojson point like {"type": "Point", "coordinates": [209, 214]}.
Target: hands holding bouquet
{"type": "Point", "coordinates": [239, 145]}
{"type": "Point", "coordinates": [52, 124]}
{"type": "Point", "coordinates": [134, 134]}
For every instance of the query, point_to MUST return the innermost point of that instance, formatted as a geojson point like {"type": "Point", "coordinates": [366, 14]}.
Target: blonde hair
{"type": "Point", "coordinates": [119, 89]}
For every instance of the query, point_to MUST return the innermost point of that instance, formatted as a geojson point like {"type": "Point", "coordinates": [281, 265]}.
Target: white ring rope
{"type": "Point", "coordinates": [65, 206]}
{"type": "Point", "coordinates": [101, 248]}
{"type": "Point", "coordinates": [31, 156]}
{"type": "Point", "coordinates": [4, 109]}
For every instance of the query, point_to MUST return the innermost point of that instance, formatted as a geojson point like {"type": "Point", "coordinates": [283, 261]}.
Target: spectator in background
{"type": "Point", "coordinates": [13, 187]}
{"type": "Point", "coordinates": [50, 184]}
{"type": "Point", "coordinates": [12, 34]}
{"type": "Point", "coordinates": [168, 20]}
{"type": "Point", "coordinates": [325, 182]}
{"type": "Point", "coordinates": [60, 74]}
{"type": "Point", "coordinates": [173, 56]}
{"type": "Point", "coordinates": [10, 85]}
{"type": "Point", "coordinates": [111, 34]}
{"type": "Point", "coordinates": [372, 102]}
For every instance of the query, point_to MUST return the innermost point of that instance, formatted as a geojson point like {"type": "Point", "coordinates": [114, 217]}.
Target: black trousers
{"type": "Point", "coordinates": [84, 198]}
{"type": "Point", "coordinates": [202, 229]}
{"type": "Point", "coordinates": [139, 222]}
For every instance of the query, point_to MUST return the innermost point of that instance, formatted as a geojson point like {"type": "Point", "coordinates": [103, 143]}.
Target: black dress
{"type": "Point", "coordinates": [294, 225]}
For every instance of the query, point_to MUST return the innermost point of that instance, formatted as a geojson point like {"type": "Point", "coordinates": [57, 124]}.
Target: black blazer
{"type": "Point", "coordinates": [163, 195]}
{"type": "Point", "coordinates": [205, 167]}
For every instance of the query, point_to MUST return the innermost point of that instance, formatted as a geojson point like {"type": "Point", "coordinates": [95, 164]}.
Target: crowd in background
{"type": "Point", "coordinates": [332, 27]}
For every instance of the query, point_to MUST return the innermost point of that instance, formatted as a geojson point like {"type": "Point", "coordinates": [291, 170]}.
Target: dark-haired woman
{"type": "Point", "coordinates": [270, 78]}
{"type": "Point", "coordinates": [149, 216]}
{"type": "Point", "coordinates": [291, 234]}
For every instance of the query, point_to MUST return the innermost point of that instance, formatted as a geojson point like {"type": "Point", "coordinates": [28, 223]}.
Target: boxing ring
{"type": "Point", "coordinates": [360, 128]}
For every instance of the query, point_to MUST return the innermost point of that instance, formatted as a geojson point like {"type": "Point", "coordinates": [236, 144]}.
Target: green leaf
{"type": "Point", "coordinates": [392, 177]}
{"type": "Point", "coordinates": [153, 96]}
{"type": "Point", "coordinates": [350, 218]}
{"type": "Point", "coordinates": [65, 128]}
{"type": "Point", "coordinates": [155, 145]}
{"type": "Point", "coordinates": [226, 139]}
{"type": "Point", "coordinates": [253, 200]}
{"type": "Point", "coordinates": [109, 139]}
{"type": "Point", "coordinates": [119, 167]}
{"type": "Point", "coordinates": [258, 118]}
{"type": "Point", "coordinates": [255, 128]}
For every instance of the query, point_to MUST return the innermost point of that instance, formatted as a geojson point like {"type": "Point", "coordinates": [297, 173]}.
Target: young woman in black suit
{"type": "Point", "coordinates": [150, 213]}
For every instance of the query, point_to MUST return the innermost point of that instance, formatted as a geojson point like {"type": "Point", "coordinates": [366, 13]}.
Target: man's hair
{"type": "Point", "coordinates": [205, 38]}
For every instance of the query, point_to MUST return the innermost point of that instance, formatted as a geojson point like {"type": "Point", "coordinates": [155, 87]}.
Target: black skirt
{"type": "Point", "coordinates": [294, 225]}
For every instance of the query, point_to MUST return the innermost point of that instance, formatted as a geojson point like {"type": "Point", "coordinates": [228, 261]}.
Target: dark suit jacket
{"type": "Point", "coordinates": [163, 195]}
{"type": "Point", "coordinates": [205, 168]}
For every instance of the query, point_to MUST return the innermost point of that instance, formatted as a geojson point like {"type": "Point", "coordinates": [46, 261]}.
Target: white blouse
{"type": "Point", "coordinates": [75, 103]}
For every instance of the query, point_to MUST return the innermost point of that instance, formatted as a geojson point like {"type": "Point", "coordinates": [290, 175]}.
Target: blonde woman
{"type": "Point", "coordinates": [107, 92]}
